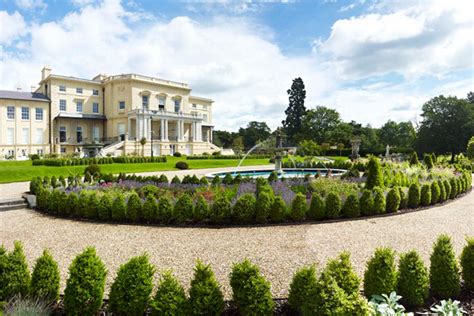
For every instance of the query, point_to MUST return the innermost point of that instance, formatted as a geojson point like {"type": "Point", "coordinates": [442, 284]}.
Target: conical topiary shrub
{"type": "Point", "coordinates": [302, 289]}
{"type": "Point", "coordinates": [351, 206]}
{"type": "Point", "coordinates": [45, 278]}
{"type": "Point", "coordinates": [444, 270]}
{"type": "Point", "coordinates": [205, 295]}
{"type": "Point", "coordinates": [375, 175]}
{"type": "Point", "coordinates": [467, 264]}
{"type": "Point", "coordinates": [170, 298]}
{"type": "Point", "coordinates": [413, 279]}
{"type": "Point", "coordinates": [380, 277]}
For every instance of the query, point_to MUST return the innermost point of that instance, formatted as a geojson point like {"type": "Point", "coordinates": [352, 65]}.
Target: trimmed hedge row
{"type": "Point", "coordinates": [224, 157]}
{"type": "Point", "coordinates": [334, 291]}
{"type": "Point", "coordinates": [58, 162]}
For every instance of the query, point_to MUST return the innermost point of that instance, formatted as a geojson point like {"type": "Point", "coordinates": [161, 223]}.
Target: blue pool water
{"type": "Point", "coordinates": [287, 173]}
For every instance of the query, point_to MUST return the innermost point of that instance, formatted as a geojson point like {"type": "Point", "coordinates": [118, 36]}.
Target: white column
{"type": "Point", "coordinates": [181, 127]}
{"type": "Point", "coordinates": [149, 128]}
{"type": "Point", "coordinates": [199, 131]}
{"type": "Point", "coordinates": [129, 127]}
{"type": "Point", "coordinates": [137, 129]}
{"type": "Point", "coordinates": [193, 131]}
{"type": "Point", "coordinates": [162, 129]}
{"type": "Point", "coordinates": [166, 129]}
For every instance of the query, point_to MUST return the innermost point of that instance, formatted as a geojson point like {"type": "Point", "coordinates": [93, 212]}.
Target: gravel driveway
{"type": "Point", "coordinates": [278, 250]}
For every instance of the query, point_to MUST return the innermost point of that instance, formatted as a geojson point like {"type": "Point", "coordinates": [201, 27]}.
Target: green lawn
{"type": "Point", "coordinates": [17, 171]}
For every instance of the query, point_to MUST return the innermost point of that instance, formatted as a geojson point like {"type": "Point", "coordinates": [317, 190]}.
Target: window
{"type": "Point", "coordinates": [62, 105]}
{"type": "Point", "coordinates": [79, 106]}
{"type": "Point", "coordinates": [79, 134]}
{"type": "Point", "coordinates": [25, 135]}
{"type": "Point", "coordinates": [39, 152]}
{"type": "Point", "coordinates": [204, 117]}
{"type": "Point", "coordinates": [122, 105]}
{"type": "Point", "coordinates": [63, 150]}
{"type": "Point", "coordinates": [95, 92]}
{"type": "Point", "coordinates": [11, 112]}
{"type": "Point", "coordinates": [161, 102]}
{"type": "Point", "coordinates": [10, 135]}
{"type": "Point", "coordinates": [95, 107]}
{"type": "Point", "coordinates": [145, 102]}
{"type": "Point", "coordinates": [194, 105]}
{"type": "Point", "coordinates": [39, 114]}
{"type": "Point", "coordinates": [23, 152]}
{"type": "Point", "coordinates": [177, 105]}
{"type": "Point", "coordinates": [121, 130]}
{"type": "Point", "coordinates": [62, 88]}
{"type": "Point", "coordinates": [11, 152]}
{"type": "Point", "coordinates": [39, 136]}
{"type": "Point", "coordinates": [78, 90]}
{"type": "Point", "coordinates": [25, 113]}
{"type": "Point", "coordinates": [62, 134]}
{"type": "Point", "coordinates": [204, 107]}
{"type": "Point", "coordinates": [95, 133]}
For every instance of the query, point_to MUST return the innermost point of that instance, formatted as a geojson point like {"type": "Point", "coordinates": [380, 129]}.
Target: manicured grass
{"type": "Point", "coordinates": [17, 171]}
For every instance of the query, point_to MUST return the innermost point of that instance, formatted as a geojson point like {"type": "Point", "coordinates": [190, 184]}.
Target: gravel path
{"type": "Point", "coordinates": [278, 250]}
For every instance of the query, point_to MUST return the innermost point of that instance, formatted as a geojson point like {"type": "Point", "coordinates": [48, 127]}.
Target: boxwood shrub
{"type": "Point", "coordinates": [444, 270]}
{"type": "Point", "coordinates": [263, 206]}
{"type": "Point", "coordinates": [375, 175]}
{"type": "Point", "coordinates": [183, 209]}
{"type": "Point", "coordinates": [131, 290]}
{"type": "Point", "coordinates": [351, 206]}
{"type": "Point", "coordinates": [251, 291]}
{"type": "Point", "coordinates": [414, 196]}
{"type": "Point", "coordinates": [279, 210]}
{"type": "Point", "coordinates": [170, 298]}
{"type": "Point", "coordinates": [165, 210]}
{"type": "Point", "coordinates": [302, 287]}
{"type": "Point", "coordinates": [316, 209]}
{"type": "Point", "coordinates": [467, 264]}
{"type": "Point", "coordinates": [454, 188]}
{"type": "Point", "coordinates": [119, 208]}
{"type": "Point", "coordinates": [403, 198]}
{"type": "Point", "coordinates": [341, 270]}
{"type": "Point", "coordinates": [4, 267]}
{"type": "Point", "coordinates": [393, 200]}
{"type": "Point", "coordinates": [366, 202]}
{"type": "Point", "coordinates": [72, 204]}
{"type": "Point", "coordinates": [134, 207]}
{"type": "Point", "coordinates": [379, 201]}
{"type": "Point", "coordinates": [201, 209]}
{"type": "Point", "coordinates": [413, 279]}
{"type": "Point", "coordinates": [435, 192]}
{"type": "Point", "coordinates": [205, 295]}
{"type": "Point", "coordinates": [85, 285]}
{"type": "Point", "coordinates": [16, 276]}
{"type": "Point", "coordinates": [333, 205]}
{"type": "Point", "coordinates": [425, 195]}
{"type": "Point", "coordinates": [447, 188]}
{"type": "Point", "coordinates": [380, 277]}
{"type": "Point", "coordinates": [442, 191]}
{"type": "Point", "coordinates": [220, 210]}
{"type": "Point", "coordinates": [298, 207]}
{"type": "Point", "coordinates": [45, 278]}
{"type": "Point", "coordinates": [244, 209]}
{"type": "Point", "coordinates": [150, 209]}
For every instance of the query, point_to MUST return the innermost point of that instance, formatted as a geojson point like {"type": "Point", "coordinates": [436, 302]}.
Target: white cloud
{"type": "Point", "coordinates": [31, 4]}
{"type": "Point", "coordinates": [12, 26]}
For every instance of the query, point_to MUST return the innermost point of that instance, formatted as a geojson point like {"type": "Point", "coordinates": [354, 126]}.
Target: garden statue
{"type": "Point", "coordinates": [387, 152]}
{"type": "Point", "coordinates": [355, 142]}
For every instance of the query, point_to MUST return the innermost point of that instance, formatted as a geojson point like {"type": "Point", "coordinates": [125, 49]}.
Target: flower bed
{"type": "Point", "coordinates": [58, 162]}
{"type": "Point", "coordinates": [333, 291]}
{"type": "Point", "coordinates": [385, 188]}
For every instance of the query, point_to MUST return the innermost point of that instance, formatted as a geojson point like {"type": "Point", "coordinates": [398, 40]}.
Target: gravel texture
{"type": "Point", "coordinates": [278, 250]}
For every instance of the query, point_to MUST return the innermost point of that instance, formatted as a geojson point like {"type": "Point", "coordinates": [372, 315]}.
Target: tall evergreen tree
{"type": "Point", "coordinates": [296, 110]}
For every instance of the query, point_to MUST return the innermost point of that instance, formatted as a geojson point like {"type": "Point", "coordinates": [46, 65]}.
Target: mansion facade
{"type": "Point", "coordinates": [108, 115]}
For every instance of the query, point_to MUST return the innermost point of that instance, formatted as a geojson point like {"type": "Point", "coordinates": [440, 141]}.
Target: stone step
{"type": "Point", "coordinates": [11, 201]}
{"type": "Point", "coordinates": [12, 207]}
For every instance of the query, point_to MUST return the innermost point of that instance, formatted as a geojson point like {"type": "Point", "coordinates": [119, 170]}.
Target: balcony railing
{"type": "Point", "coordinates": [159, 113]}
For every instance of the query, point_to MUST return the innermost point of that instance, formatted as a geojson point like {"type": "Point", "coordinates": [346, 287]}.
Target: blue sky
{"type": "Point", "coordinates": [372, 60]}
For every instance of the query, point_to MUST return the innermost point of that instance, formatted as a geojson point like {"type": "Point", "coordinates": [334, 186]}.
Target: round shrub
{"type": "Point", "coordinates": [375, 175]}
{"type": "Point", "coordinates": [16, 274]}
{"type": "Point", "coordinates": [425, 195]}
{"type": "Point", "coordinates": [150, 209]}
{"type": "Point", "coordinates": [333, 205]}
{"type": "Point", "coordinates": [435, 192]}
{"type": "Point", "coordinates": [316, 209]}
{"type": "Point", "coordinates": [298, 207]}
{"type": "Point", "coordinates": [351, 206]}
{"type": "Point", "coordinates": [205, 295]}
{"type": "Point", "coordinates": [341, 270]}
{"type": "Point", "coordinates": [442, 192]}
{"type": "Point", "coordinates": [414, 196]}
{"type": "Point", "coordinates": [181, 165]}
{"type": "Point", "coordinates": [204, 181]}
{"type": "Point", "coordinates": [201, 209]}
{"type": "Point", "coordinates": [183, 208]}
{"type": "Point", "coordinates": [177, 154]}
{"type": "Point", "coordinates": [165, 210]}
{"type": "Point", "coordinates": [170, 298]}
{"type": "Point", "coordinates": [220, 209]}
{"type": "Point", "coordinates": [380, 277]}
{"type": "Point", "coordinates": [263, 206]}
{"type": "Point", "coordinates": [444, 270]}
{"type": "Point", "coordinates": [447, 188]}
{"type": "Point", "coordinates": [163, 179]}
{"type": "Point", "coordinates": [244, 208]}
{"type": "Point", "coordinates": [379, 201]}
{"type": "Point", "coordinates": [45, 278]}
{"type": "Point", "coordinates": [403, 198]}
{"type": "Point", "coordinates": [148, 189]}
{"type": "Point", "coordinates": [393, 200]}
{"type": "Point", "coordinates": [85, 285]}
{"type": "Point", "coordinates": [302, 289]}
{"type": "Point", "coordinates": [93, 170]}
{"type": "Point", "coordinates": [454, 188]}
{"type": "Point", "coordinates": [134, 207]}
{"type": "Point", "coordinates": [366, 202]}
{"type": "Point", "coordinates": [251, 292]}
{"type": "Point", "coordinates": [467, 264]}
{"type": "Point", "coordinates": [413, 279]}
{"type": "Point", "coordinates": [131, 290]}
{"type": "Point", "coordinates": [279, 210]}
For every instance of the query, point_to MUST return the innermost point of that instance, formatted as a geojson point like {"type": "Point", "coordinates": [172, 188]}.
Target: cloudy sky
{"type": "Point", "coordinates": [371, 60]}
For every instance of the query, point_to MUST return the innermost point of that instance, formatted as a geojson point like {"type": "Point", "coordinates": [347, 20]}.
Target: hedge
{"type": "Point", "coordinates": [59, 162]}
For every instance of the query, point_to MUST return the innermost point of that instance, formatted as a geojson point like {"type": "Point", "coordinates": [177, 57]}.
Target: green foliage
{"type": "Point", "coordinates": [273, 177]}
{"type": "Point", "coordinates": [316, 208]}
{"type": "Point", "coordinates": [45, 278]}
{"type": "Point", "coordinates": [263, 206]}
{"type": "Point", "coordinates": [85, 285]}
{"type": "Point", "coordinates": [228, 179]}
{"type": "Point", "coordinates": [24, 306]}
{"type": "Point", "coordinates": [428, 160]}
{"type": "Point", "coordinates": [442, 191]}
{"type": "Point", "coordinates": [302, 289]}
{"type": "Point", "coordinates": [131, 290]}
{"type": "Point", "coordinates": [220, 209]}
{"type": "Point", "coordinates": [444, 270]}
{"type": "Point", "coordinates": [216, 181]}
{"type": "Point", "coordinates": [119, 208]}
{"type": "Point", "coordinates": [201, 209]}
{"type": "Point", "coordinates": [93, 206]}
{"type": "Point", "coordinates": [295, 113]}
{"type": "Point", "coordinates": [413, 196]}
{"type": "Point", "coordinates": [4, 267]}
{"type": "Point", "coordinates": [183, 208]}
{"type": "Point", "coordinates": [83, 203]}
{"type": "Point", "coordinates": [403, 198]}
{"type": "Point", "coordinates": [447, 188]}
{"type": "Point", "coordinates": [72, 204]}
{"type": "Point", "coordinates": [333, 205]}
{"type": "Point", "coordinates": [366, 202]}
{"type": "Point", "coordinates": [413, 279]}
{"type": "Point", "coordinates": [170, 298]}
{"type": "Point", "coordinates": [298, 207]}
{"type": "Point", "coordinates": [375, 175]}
{"type": "Point", "coordinates": [244, 208]}
{"type": "Point", "coordinates": [454, 188]}
{"type": "Point", "coordinates": [205, 295]}
{"type": "Point", "coordinates": [134, 207]}
{"type": "Point", "coordinates": [165, 210]}
{"type": "Point", "coordinates": [204, 181]}
{"type": "Point", "coordinates": [381, 274]}
{"type": "Point", "coordinates": [175, 180]}
{"type": "Point", "coordinates": [251, 292]}
{"type": "Point", "coordinates": [104, 208]}
{"type": "Point", "coordinates": [279, 210]}
{"type": "Point", "coordinates": [16, 277]}
{"type": "Point", "coordinates": [467, 264]}
{"type": "Point", "coordinates": [340, 269]}
{"type": "Point", "coordinates": [379, 201]}
{"type": "Point", "coordinates": [435, 192]}
{"type": "Point", "coordinates": [182, 165]}
{"type": "Point", "coordinates": [94, 170]}
{"type": "Point", "coordinates": [470, 148]}
{"type": "Point", "coordinates": [150, 209]}
{"type": "Point", "coordinates": [393, 200]}
{"type": "Point", "coordinates": [448, 308]}
{"type": "Point", "coordinates": [425, 195]}
{"type": "Point", "coordinates": [414, 159]}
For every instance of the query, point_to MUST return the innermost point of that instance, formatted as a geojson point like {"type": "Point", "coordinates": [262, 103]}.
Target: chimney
{"type": "Point", "coordinates": [45, 72]}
